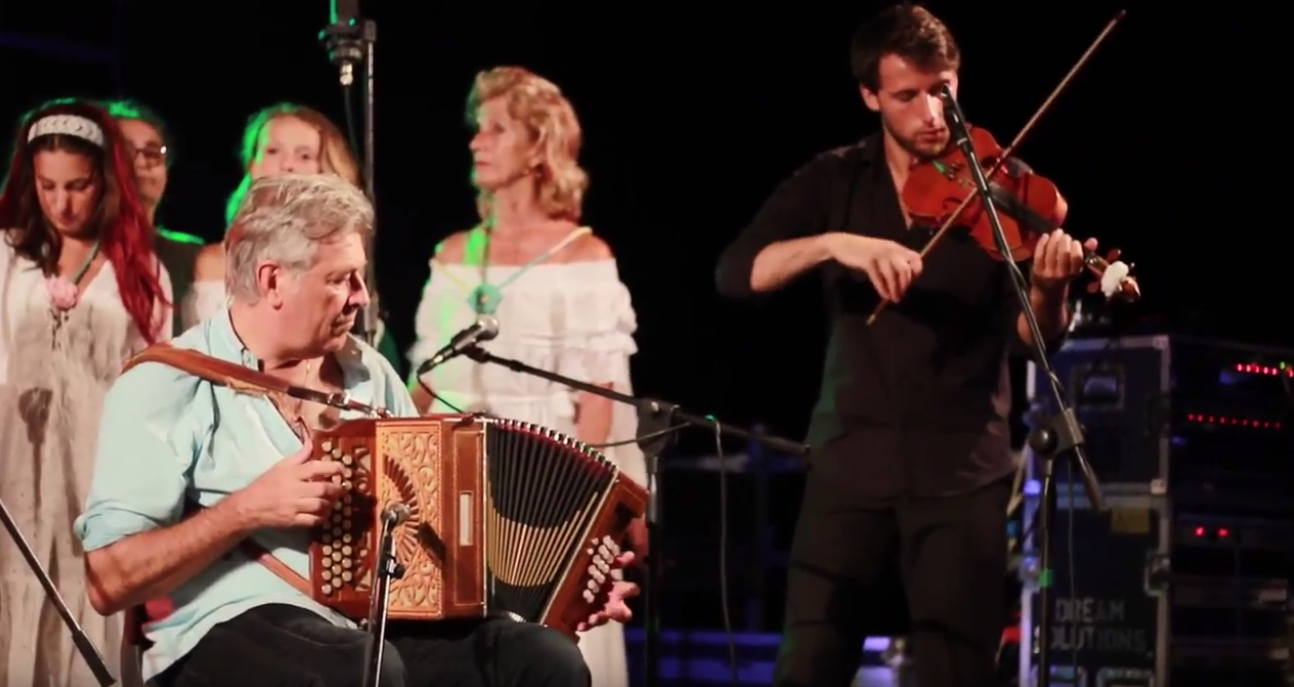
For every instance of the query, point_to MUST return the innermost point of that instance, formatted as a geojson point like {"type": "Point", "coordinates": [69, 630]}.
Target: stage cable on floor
{"type": "Point", "coordinates": [724, 605]}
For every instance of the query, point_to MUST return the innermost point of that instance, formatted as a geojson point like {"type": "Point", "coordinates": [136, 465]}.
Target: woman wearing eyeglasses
{"type": "Point", "coordinates": [146, 137]}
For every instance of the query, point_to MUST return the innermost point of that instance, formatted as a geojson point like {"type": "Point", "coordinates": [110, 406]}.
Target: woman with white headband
{"type": "Point", "coordinates": [80, 292]}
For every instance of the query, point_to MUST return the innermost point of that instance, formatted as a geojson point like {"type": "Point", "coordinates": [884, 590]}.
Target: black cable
{"type": "Point", "coordinates": [625, 442]}
{"type": "Point", "coordinates": [1112, 343]}
{"type": "Point", "coordinates": [437, 396]}
{"type": "Point", "coordinates": [1073, 565]}
{"type": "Point", "coordinates": [723, 551]}
{"type": "Point", "coordinates": [642, 437]}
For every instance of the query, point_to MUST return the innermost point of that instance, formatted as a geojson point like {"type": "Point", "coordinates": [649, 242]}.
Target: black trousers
{"type": "Point", "coordinates": [285, 646]}
{"type": "Point", "coordinates": [950, 556]}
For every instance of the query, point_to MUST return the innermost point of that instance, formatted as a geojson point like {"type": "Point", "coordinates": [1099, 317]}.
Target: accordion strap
{"type": "Point", "coordinates": [238, 378]}
{"type": "Point", "coordinates": [217, 371]}
{"type": "Point", "coordinates": [262, 555]}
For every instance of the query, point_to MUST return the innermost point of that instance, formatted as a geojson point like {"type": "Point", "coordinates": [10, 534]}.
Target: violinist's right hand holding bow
{"type": "Point", "coordinates": [889, 266]}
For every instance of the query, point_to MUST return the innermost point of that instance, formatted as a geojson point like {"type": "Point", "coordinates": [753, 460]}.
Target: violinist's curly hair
{"type": "Point", "coordinates": [538, 104]}
{"type": "Point", "coordinates": [908, 31]}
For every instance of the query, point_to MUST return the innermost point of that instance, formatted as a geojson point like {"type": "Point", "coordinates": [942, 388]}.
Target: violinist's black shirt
{"type": "Point", "coordinates": [915, 405]}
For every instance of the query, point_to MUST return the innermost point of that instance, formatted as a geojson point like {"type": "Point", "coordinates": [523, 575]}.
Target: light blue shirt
{"type": "Point", "coordinates": [167, 436]}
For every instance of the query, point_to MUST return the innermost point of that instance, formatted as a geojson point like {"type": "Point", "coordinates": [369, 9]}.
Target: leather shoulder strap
{"type": "Point", "coordinates": [242, 379]}
{"type": "Point", "coordinates": [262, 555]}
{"type": "Point", "coordinates": [210, 368]}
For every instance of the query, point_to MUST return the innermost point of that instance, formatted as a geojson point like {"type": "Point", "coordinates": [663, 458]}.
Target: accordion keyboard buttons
{"type": "Point", "coordinates": [338, 543]}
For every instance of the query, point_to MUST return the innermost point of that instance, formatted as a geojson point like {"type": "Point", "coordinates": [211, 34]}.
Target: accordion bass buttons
{"type": "Point", "coordinates": [603, 555]}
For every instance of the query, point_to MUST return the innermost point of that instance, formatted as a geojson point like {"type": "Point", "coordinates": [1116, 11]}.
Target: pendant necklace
{"type": "Point", "coordinates": [294, 418]}
{"type": "Point", "coordinates": [64, 293]}
{"type": "Point", "coordinates": [486, 297]}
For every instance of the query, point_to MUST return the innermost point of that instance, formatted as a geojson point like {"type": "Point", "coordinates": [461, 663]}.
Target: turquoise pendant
{"type": "Point", "coordinates": [485, 299]}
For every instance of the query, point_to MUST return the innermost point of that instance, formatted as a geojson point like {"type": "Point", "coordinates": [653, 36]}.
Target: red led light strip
{"type": "Point", "coordinates": [1266, 370]}
{"type": "Point", "coordinates": [1223, 420]}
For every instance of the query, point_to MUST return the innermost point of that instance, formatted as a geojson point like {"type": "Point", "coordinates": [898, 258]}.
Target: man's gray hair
{"type": "Point", "coordinates": [284, 218]}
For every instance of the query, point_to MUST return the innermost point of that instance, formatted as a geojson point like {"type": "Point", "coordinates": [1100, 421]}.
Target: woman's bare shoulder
{"type": "Point", "coordinates": [210, 263]}
{"type": "Point", "coordinates": [591, 248]}
{"type": "Point", "coordinates": [453, 249]}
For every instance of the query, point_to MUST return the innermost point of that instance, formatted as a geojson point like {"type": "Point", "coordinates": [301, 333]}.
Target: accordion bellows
{"type": "Point", "coordinates": [506, 518]}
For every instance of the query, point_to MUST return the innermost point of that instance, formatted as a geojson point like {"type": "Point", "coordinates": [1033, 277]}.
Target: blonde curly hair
{"type": "Point", "coordinates": [539, 106]}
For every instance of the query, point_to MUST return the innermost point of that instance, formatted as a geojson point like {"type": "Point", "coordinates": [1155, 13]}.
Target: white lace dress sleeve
{"type": "Point", "coordinates": [204, 300]}
{"type": "Point", "coordinates": [597, 349]}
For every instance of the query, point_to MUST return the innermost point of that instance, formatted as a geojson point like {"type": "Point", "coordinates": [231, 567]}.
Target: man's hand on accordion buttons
{"type": "Point", "coordinates": [296, 492]}
{"type": "Point", "coordinates": [618, 594]}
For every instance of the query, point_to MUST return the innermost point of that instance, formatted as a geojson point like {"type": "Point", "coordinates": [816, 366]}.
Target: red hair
{"type": "Point", "coordinates": [126, 237]}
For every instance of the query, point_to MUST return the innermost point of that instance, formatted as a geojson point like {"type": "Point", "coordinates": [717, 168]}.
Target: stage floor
{"type": "Point", "coordinates": [700, 659]}
{"type": "Point", "coordinates": [867, 677]}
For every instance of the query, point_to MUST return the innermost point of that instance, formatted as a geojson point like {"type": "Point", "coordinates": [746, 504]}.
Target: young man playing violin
{"type": "Point", "coordinates": [911, 461]}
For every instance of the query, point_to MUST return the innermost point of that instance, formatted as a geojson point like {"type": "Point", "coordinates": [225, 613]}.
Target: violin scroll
{"type": "Point", "coordinates": [1114, 277]}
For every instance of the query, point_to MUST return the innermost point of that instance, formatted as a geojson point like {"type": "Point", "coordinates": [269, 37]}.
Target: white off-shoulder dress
{"type": "Point", "coordinates": [575, 319]}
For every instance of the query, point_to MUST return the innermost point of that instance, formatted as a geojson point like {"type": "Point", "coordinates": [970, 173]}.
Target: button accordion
{"type": "Point", "coordinates": [505, 517]}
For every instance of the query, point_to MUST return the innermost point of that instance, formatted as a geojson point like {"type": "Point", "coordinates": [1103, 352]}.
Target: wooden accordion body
{"type": "Point", "coordinates": [506, 517]}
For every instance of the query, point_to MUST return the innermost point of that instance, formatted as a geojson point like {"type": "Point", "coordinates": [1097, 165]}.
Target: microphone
{"type": "Point", "coordinates": [484, 329]}
{"type": "Point", "coordinates": [396, 513]}
{"type": "Point", "coordinates": [953, 116]}
{"type": "Point", "coordinates": [343, 50]}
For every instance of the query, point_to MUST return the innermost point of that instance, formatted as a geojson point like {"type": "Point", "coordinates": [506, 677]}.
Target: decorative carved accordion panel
{"type": "Point", "coordinates": [506, 517]}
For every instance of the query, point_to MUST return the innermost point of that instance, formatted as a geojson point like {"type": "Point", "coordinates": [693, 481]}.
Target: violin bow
{"type": "Point", "coordinates": [1015, 143]}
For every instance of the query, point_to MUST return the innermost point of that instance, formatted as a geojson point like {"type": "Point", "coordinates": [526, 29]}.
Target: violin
{"type": "Point", "coordinates": [1028, 206]}
{"type": "Point", "coordinates": [943, 192]}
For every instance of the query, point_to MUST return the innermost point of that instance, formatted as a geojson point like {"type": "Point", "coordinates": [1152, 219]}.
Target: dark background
{"type": "Point", "coordinates": [694, 111]}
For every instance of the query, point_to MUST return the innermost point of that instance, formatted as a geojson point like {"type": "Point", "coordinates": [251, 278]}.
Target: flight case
{"type": "Point", "coordinates": [1183, 581]}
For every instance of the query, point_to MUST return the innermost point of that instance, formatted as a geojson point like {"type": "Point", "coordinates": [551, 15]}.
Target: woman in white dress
{"type": "Point", "coordinates": [552, 285]}
{"type": "Point", "coordinates": [81, 290]}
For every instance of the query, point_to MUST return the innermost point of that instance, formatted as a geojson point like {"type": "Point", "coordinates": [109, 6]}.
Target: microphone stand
{"type": "Point", "coordinates": [79, 639]}
{"type": "Point", "coordinates": [350, 41]}
{"type": "Point", "coordinates": [658, 422]}
{"type": "Point", "coordinates": [388, 568]}
{"type": "Point", "coordinates": [1053, 436]}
